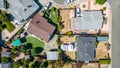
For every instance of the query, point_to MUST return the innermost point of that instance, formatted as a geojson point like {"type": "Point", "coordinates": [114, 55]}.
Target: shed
{"type": "Point", "coordinates": [52, 55]}
{"type": "Point", "coordinates": [102, 38]}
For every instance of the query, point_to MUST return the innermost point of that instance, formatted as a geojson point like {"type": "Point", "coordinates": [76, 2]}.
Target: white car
{"type": "Point", "coordinates": [77, 12]}
{"type": "Point", "coordinates": [48, 5]}
{"type": "Point", "coordinates": [68, 1]}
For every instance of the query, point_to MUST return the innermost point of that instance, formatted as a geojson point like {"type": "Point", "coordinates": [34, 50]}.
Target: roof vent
{"type": "Point", "coordinates": [29, 6]}
{"type": "Point", "coordinates": [37, 22]}
{"type": "Point", "coordinates": [25, 9]}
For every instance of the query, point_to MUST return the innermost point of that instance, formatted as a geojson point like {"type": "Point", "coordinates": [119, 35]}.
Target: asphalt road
{"type": "Point", "coordinates": [115, 4]}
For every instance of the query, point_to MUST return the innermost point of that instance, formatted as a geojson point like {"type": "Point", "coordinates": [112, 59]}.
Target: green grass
{"type": "Point", "coordinates": [54, 15]}
{"type": "Point", "coordinates": [35, 42]}
{"type": "Point", "coordinates": [10, 26]}
{"type": "Point", "coordinates": [104, 61]}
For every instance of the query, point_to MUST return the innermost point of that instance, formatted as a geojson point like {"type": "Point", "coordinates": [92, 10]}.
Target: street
{"type": "Point", "coordinates": [115, 4]}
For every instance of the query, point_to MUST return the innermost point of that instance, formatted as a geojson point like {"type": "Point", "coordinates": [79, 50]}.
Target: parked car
{"type": "Point", "coordinates": [48, 5]}
{"type": "Point", "coordinates": [68, 1]}
{"type": "Point", "coordinates": [78, 12]}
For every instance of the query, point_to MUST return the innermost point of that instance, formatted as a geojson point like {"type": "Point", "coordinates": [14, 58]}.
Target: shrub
{"type": "Point", "coordinates": [104, 61]}
{"type": "Point", "coordinates": [59, 51]}
{"type": "Point", "coordinates": [104, 8]}
{"type": "Point", "coordinates": [12, 56]}
{"type": "Point", "coordinates": [5, 59]}
{"type": "Point", "coordinates": [69, 33]}
{"type": "Point", "coordinates": [17, 64]}
{"type": "Point", "coordinates": [20, 31]}
{"type": "Point", "coordinates": [24, 48]}
{"type": "Point", "coordinates": [84, 6]}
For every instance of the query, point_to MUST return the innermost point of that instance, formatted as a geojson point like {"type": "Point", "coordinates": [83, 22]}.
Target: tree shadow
{"type": "Point", "coordinates": [23, 40]}
{"type": "Point", "coordinates": [54, 50]}
{"type": "Point", "coordinates": [29, 45]}
{"type": "Point", "coordinates": [39, 49]}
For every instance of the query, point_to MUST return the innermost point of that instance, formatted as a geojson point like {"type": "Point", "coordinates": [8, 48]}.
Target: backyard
{"type": "Point", "coordinates": [35, 42]}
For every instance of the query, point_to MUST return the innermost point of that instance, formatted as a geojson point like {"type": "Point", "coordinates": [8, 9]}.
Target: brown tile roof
{"type": "Point", "coordinates": [41, 28]}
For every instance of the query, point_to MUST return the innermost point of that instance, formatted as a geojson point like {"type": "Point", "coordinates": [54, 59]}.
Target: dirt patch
{"type": "Point", "coordinates": [101, 51]}
{"type": "Point", "coordinates": [91, 65]}
{"type": "Point", "coordinates": [67, 39]}
{"type": "Point", "coordinates": [71, 55]}
{"type": "Point", "coordinates": [66, 15]}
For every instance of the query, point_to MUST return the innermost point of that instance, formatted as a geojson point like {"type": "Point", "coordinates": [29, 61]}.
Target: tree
{"type": "Point", "coordinates": [4, 16]}
{"type": "Point", "coordinates": [5, 59]}
{"type": "Point", "coordinates": [0, 22]}
{"type": "Point", "coordinates": [4, 26]}
{"type": "Point", "coordinates": [101, 2]}
{"type": "Point", "coordinates": [36, 51]}
{"type": "Point", "coordinates": [17, 64]}
{"type": "Point", "coordinates": [42, 65]}
{"type": "Point", "coordinates": [14, 49]}
{"type": "Point", "coordinates": [24, 48]}
{"type": "Point", "coordinates": [12, 56]}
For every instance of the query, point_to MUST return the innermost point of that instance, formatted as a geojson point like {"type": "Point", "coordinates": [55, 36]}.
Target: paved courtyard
{"type": "Point", "coordinates": [51, 44]}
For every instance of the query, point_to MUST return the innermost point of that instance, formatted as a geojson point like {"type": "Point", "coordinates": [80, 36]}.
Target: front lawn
{"type": "Point", "coordinates": [52, 14]}
{"type": "Point", "coordinates": [10, 27]}
{"type": "Point", "coordinates": [35, 42]}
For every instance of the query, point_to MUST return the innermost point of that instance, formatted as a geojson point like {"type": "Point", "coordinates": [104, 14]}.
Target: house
{"type": "Point", "coordinates": [52, 55]}
{"type": "Point", "coordinates": [2, 4]}
{"type": "Point", "coordinates": [6, 65]}
{"type": "Point", "coordinates": [6, 54]}
{"type": "Point", "coordinates": [22, 9]}
{"type": "Point", "coordinates": [85, 48]}
{"type": "Point", "coordinates": [89, 20]}
{"type": "Point", "coordinates": [102, 38]}
{"type": "Point", "coordinates": [40, 27]}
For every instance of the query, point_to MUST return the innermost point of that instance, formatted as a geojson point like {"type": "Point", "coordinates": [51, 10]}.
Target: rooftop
{"type": "Point", "coordinates": [6, 65]}
{"type": "Point", "coordinates": [2, 5]}
{"type": "Point", "coordinates": [90, 20]}
{"type": "Point", "coordinates": [6, 54]}
{"type": "Point", "coordinates": [86, 48]}
{"type": "Point", "coordinates": [41, 28]}
{"type": "Point", "coordinates": [52, 55]}
{"type": "Point", "coordinates": [22, 9]}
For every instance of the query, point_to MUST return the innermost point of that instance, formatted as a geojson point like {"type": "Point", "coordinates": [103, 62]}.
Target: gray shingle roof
{"type": "Point", "coordinates": [6, 65]}
{"type": "Point", "coordinates": [22, 9]}
{"type": "Point", "coordinates": [85, 48]}
{"type": "Point", "coordinates": [6, 54]}
{"type": "Point", "coordinates": [52, 55]}
{"type": "Point", "coordinates": [89, 20]}
{"type": "Point", "coordinates": [2, 4]}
